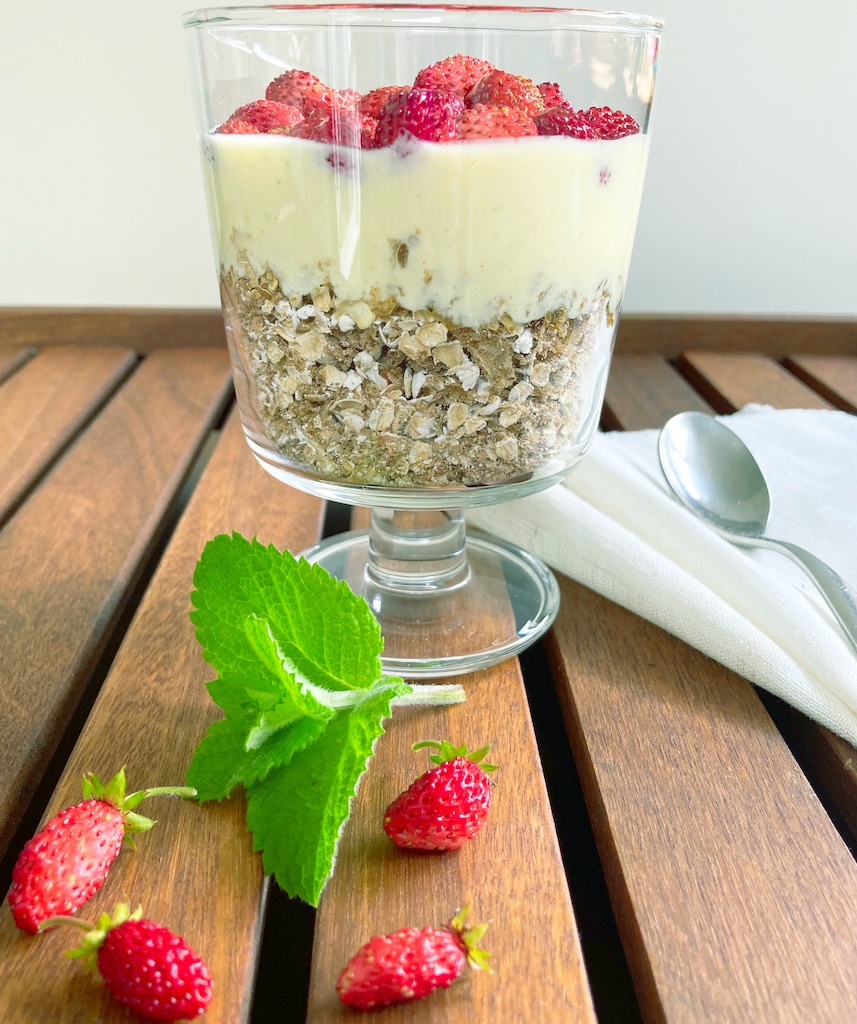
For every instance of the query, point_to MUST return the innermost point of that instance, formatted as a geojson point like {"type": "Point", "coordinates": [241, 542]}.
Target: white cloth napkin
{"type": "Point", "coordinates": [614, 526]}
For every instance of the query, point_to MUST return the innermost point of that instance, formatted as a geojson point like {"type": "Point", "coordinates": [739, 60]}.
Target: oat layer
{"type": "Point", "coordinates": [370, 393]}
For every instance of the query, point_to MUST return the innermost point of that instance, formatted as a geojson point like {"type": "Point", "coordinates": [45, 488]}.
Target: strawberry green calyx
{"type": "Point", "coordinates": [447, 752]}
{"type": "Point", "coordinates": [113, 792]}
{"type": "Point", "coordinates": [95, 934]}
{"type": "Point", "coordinates": [470, 939]}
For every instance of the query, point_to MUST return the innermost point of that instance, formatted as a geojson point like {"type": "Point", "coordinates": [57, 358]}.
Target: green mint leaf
{"type": "Point", "coordinates": [222, 760]}
{"type": "Point", "coordinates": [297, 812]}
{"type": "Point", "coordinates": [299, 679]}
{"type": "Point", "coordinates": [320, 628]}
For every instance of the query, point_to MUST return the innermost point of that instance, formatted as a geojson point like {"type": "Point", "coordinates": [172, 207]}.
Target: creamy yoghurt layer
{"type": "Point", "coordinates": [469, 230]}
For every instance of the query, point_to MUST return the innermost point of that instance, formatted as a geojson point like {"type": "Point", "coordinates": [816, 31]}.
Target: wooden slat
{"type": "Point", "coordinates": [676, 800]}
{"type": "Point", "coordinates": [70, 555]}
{"type": "Point", "coordinates": [139, 328]}
{"type": "Point", "coordinates": [665, 335]}
{"type": "Point", "coordinates": [747, 378]}
{"type": "Point", "coordinates": [510, 874]}
{"type": "Point", "coordinates": [12, 358]}
{"type": "Point", "coordinates": [668, 335]}
{"type": "Point", "coordinates": [833, 377]}
{"type": "Point", "coordinates": [734, 894]}
{"type": "Point", "coordinates": [833, 761]}
{"type": "Point", "coordinates": [195, 871]}
{"type": "Point", "coordinates": [378, 888]}
{"type": "Point", "coordinates": [633, 385]}
{"type": "Point", "coordinates": [45, 404]}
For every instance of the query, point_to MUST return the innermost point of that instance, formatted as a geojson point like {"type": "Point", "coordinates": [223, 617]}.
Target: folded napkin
{"type": "Point", "coordinates": [614, 526]}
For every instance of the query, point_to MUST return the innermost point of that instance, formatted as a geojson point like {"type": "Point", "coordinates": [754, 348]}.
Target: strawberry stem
{"type": "Point", "coordinates": [51, 922]}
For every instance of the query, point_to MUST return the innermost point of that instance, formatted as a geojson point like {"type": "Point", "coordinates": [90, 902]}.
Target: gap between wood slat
{"type": "Point", "coordinates": [196, 870]}
{"type": "Point", "coordinates": [13, 358]}
{"type": "Point", "coordinates": [833, 377]}
{"type": "Point", "coordinates": [73, 552]}
{"type": "Point", "coordinates": [45, 406]}
{"type": "Point", "coordinates": [829, 761]}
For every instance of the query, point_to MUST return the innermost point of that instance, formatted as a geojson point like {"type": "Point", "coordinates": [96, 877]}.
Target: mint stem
{"type": "Point", "coordinates": [182, 791]}
{"type": "Point", "coordinates": [431, 693]}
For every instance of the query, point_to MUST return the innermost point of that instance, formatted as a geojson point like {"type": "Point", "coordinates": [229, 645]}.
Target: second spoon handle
{"type": "Point", "coordinates": [831, 585]}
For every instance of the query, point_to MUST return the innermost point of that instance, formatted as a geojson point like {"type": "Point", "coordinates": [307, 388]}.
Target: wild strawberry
{"type": "Point", "coordinates": [66, 862]}
{"type": "Point", "coordinates": [456, 74]}
{"type": "Point", "coordinates": [145, 966]}
{"type": "Point", "coordinates": [484, 122]}
{"type": "Point", "coordinates": [500, 89]}
{"type": "Point", "coordinates": [552, 95]}
{"type": "Point", "coordinates": [410, 964]}
{"type": "Point", "coordinates": [564, 121]}
{"type": "Point", "coordinates": [235, 126]}
{"type": "Point", "coordinates": [267, 114]}
{"type": "Point", "coordinates": [309, 94]}
{"type": "Point", "coordinates": [427, 114]}
{"type": "Point", "coordinates": [611, 124]}
{"type": "Point", "coordinates": [448, 805]}
{"type": "Point", "coordinates": [343, 127]}
{"type": "Point", "coordinates": [373, 101]}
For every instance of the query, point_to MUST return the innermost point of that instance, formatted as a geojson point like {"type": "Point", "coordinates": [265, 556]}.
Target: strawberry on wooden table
{"type": "Point", "coordinates": [410, 964]}
{"type": "Point", "coordinates": [446, 806]}
{"type": "Point", "coordinates": [144, 965]}
{"type": "Point", "coordinates": [67, 861]}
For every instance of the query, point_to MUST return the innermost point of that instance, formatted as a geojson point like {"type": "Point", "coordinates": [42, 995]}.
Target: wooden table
{"type": "Point", "coordinates": [667, 843]}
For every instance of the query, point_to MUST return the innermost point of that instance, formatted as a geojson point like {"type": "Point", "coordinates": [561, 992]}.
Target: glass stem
{"type": "Point", "coordinates": [414, 551]}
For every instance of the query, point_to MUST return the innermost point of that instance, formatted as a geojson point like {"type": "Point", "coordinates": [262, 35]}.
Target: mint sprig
{"type": "Point", "coordinates": [299, 679]}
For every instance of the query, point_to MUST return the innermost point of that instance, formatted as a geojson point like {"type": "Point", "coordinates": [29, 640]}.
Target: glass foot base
{"type": "Point", "coordinates": [491, 602]}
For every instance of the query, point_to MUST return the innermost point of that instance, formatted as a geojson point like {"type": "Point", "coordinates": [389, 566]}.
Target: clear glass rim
{"type": "Point", "coordinates": [573, 18]}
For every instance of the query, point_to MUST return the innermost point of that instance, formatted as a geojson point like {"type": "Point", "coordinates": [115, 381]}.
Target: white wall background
{"type": "Point", "coordinates": [749, 205]}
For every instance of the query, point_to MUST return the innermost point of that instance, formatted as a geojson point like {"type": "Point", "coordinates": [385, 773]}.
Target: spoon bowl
{"type": "Point", "coordinates": [713, 473]}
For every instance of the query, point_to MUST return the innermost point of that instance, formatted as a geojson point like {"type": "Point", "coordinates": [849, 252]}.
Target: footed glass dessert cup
{"type": "Point", "coordinates": [423, 218]}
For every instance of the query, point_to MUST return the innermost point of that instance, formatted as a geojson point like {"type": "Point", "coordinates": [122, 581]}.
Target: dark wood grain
{"type": "Point", "coordinates": [70, 555]}
{"type": "Point", "coordinates": [679, 760]}
{"type": "Point", "coordinates": [510, 874]}
{"type": "Point", "coordinates": [833, 377]}
{"type": "Point", "coordinates": [45, 404]}
{"type": "Point", "coordinates": [831, 760]}
{"type": "Point", "coordinates": [135, 327]}
{"type": "Point", "coordinates": [195, 871]}
{"type": "Point", "coordinates": [747, 377]}
{"type": "Point", "coordinates": [378, 888]}
{"type": "Point", "coordinates": [668, 335]}
{"type": "Point", "coordinates": [13, 357]}
{"type": "Point", "coordinates": [734, 894]}
{"type": "Point", "coordinates": [643, 391]}
{"type": "Point", "coordinates": [662, 334]}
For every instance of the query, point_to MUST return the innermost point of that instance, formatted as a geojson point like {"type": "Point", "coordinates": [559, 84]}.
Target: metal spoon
{"type": "Point", "coordinates": [713, 473]}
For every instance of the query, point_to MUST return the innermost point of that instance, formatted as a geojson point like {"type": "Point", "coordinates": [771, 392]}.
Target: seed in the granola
{"type": "Point", "coordinates": [468, 375]}
{"type": "Point", "coordinates": [451, 354]}
{"type": "Point", "coordinates": [322, 300]}
{"type": "Point", "coordinates": [510, 415]}
{"type": "Point", "coordinates": [410, 346]}
{"type": "Point", "coordinates": [507, 448]}
{"type": "Point", "coordinates": [540, 375]}
{"type": "Point", "coordinates": [521, 392]}
{"type": "Point", "coordinates": [402, 254]}
{"type": "Point", "coordinates": [431, 334]}
{"type": "Point", "coordinates": [275, 352]}
{"type": "Point", "coordinates": [456, 414]}
{"type": "Point", "coordinates": [332, 376]}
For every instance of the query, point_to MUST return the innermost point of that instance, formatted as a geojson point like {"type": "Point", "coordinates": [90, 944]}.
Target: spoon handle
{"type": "Point", "coordinates": [831, 585]}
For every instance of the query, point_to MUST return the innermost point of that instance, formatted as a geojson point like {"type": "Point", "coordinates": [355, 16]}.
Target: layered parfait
{"type": "Point", "coordinates": [421, 282]}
